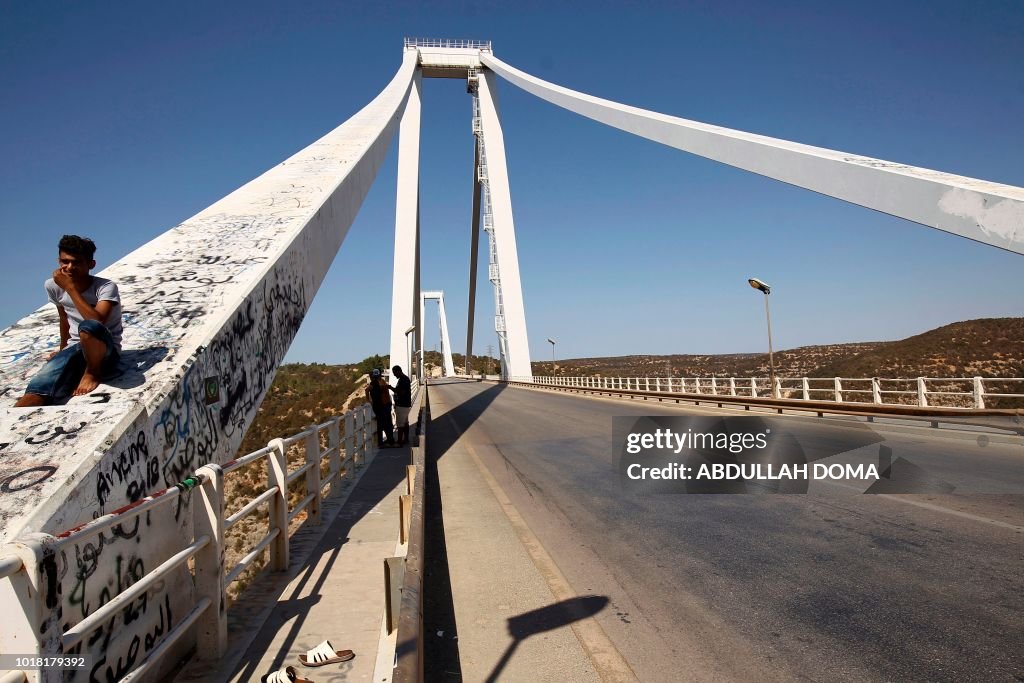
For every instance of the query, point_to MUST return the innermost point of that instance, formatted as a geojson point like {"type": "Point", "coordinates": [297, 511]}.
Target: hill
{"type": "Point", "coordinates": [987, 347]}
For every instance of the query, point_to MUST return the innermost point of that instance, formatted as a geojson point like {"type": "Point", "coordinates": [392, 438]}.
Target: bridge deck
{"type": "Point", "coordinates": [831, 584]}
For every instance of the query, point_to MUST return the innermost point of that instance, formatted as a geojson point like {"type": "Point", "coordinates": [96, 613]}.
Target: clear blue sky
{"type": "Point", "coordinates": [121, 119]}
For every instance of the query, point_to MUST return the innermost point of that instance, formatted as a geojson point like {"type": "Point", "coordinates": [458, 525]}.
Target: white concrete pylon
{"type": "Point", "coordinates": [215, 303]}
{"type": "Point", "coordinates": [446, 345]}
{"type": "Point", "coordinates": [405, 281]}
{"type": "Point", "coordinates": [518, 346]}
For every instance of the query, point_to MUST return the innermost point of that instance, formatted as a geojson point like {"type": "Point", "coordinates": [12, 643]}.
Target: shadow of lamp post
{"type": "Point", "coordinates": [549, 618]}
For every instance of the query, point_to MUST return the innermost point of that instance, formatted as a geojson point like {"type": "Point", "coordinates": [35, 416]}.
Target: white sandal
{"type": "Point", "coordinates": [324, 654]}
{"type": "Point", "coordinates": [285, 675]}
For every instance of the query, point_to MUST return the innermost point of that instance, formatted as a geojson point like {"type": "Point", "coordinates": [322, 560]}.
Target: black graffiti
{"type": "Point", "coordinates": [87, 556]}
{"type": "Point", "coordinates": [101, 397]}
{"type": "Point", "coordinates": [46, 436]}
{"type": "Point", "coordinates": [192, 276]}
{"type": "Point", "coordinates": [43, 473]}
{"type": "Point", "coordinates": [146, 641]}
{"type": "Point", "coordinates": [132, 468]}
{"type": "Point", "coordinates": [223, 260]}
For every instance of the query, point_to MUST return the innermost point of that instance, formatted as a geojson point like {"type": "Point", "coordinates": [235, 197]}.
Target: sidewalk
{"type": "Point", "coordinates": [334, 588]}
{"type": "Point", "coordinates": [510, 624]}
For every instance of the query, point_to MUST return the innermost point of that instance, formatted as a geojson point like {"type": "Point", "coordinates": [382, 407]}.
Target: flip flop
{"type": "Point", "coordinates": [323, 654]}
{"type": "Point", "coordinates": [285, 675]}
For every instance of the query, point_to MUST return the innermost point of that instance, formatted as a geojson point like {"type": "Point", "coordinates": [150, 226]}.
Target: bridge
{"type": "Point", "coordinates": [212, 305]}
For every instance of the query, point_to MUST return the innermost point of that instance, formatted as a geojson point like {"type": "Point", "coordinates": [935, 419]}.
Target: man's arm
{"type": "Point", "coordinates": [65, 330]}
{"type": "Point", "coordinates": [100, 312]}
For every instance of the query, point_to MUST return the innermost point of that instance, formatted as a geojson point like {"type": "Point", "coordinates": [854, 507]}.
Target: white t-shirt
{"type": "Point", "coordinates": [101, 289]}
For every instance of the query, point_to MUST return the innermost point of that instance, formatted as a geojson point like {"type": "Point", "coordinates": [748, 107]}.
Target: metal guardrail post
{"type": "Point", "coordinates": [312, 448]}
{"type": "Point", "coordinates": [31, 602]}
{"type": "Point", "coordinates": [806, 386]}
{"type": "Point", "coordinates": [208, 510]}
{"type": "Point", "coordinates": [753, 387]}
{"type": "Point", "coordinates": [876, 391]}
{"type": "Point", "coordinates": [351, 438]}
{"type": "Point", "coordinates": [922, 393]}
{"type": "Point", "coordinates": [370, 433]}
{"type": "Point", "coordinates": [838, 388]}
{"type": "Point", "coordinates": [277, 472]}
{"type": "Point", "coordinates": [979, 393]}
{"type": "Point", "coordinates": [732, 386]}
{"type": "Point", "coordinates": [335, 458]}
{"type": "Point", "coordinates": [714, 386]}
{"type": "Point", "coordinates": [777, 388]}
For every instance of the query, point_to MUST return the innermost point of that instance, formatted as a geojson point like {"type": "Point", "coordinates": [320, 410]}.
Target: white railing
{"type": "Point", "coordinates": [435, 42]}
{"type": "Point", "coordinates": [32, 596]}
{"type": "Point", "coordinates": [960, 392]}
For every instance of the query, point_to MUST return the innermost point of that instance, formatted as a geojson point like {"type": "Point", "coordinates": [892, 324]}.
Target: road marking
{"type": "Point", "coordinates": [609, 662]}
{"type": "Point", "coordinates": [929, 506]}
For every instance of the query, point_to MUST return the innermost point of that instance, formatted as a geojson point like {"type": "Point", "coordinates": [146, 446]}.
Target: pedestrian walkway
{"type": "Point", "coordinates": [511, 625]}
{"type": "Point", "coordinates": [334, 589]}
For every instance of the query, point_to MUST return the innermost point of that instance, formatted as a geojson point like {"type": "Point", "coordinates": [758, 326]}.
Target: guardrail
{"type": "Point", "coordinates": [404, 576]}
{"type": "Point", "coordinates": [446, 43]}
{"type": "Point", "coordinates": [969, 392]}
{"type": "Point", "coordinates": [37, 566]}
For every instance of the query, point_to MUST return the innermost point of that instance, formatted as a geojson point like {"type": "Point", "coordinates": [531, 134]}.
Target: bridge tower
{"type": "Point", "coordinates": [492, 206]}
{"type": "Point", "coordinates": [446, 344]}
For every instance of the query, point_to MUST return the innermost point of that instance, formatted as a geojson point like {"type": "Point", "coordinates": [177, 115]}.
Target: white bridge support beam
{"type": "Point", "coordinates": [446, 343]}
{"type": "Point", "coordinates": [518, 360]}
{"type": "Point", "coordinates": [210, 309]}
{"type": "Point", "coordinates": [987, 212]}
{"type": "Point", "coordinates": [405, 287]}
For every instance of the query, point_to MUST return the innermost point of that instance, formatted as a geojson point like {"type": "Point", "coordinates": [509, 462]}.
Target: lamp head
{"type": "Point", "coordinates": [551, 341]}
{"type": "Point", "coordinates": [757, 284]}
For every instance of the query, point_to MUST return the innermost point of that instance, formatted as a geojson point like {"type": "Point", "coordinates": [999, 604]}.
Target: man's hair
{"type": "Point", "coordinates": [397, 369]}
{"type": "Point", "coordinates": [77, 246]}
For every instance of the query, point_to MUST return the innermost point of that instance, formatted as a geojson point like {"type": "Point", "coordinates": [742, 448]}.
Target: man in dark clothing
{"type": "Point", "coordinates": [380, 400]}
{"type": "Point", "coordinates": [403, 403]}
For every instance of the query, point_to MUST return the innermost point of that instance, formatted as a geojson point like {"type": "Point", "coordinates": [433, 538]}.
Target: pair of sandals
{"type": "Point", "coordinates": [321, 655]}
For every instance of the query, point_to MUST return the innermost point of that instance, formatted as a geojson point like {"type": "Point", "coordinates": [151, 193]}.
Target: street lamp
{"type": "Point", "coordinates": [552, 342]}
{"type": "Point", "coordinates": [763, 286]}
{"type": "Point", "coordinates": [408, 350]}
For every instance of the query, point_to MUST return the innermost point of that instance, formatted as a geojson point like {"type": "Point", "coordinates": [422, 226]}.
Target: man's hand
{"type": "Point", "coordinates": [63, 280]}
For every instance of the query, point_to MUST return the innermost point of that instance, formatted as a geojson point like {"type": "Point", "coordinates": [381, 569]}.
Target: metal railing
{"type": "Point", "coordinates": [29, 563]}
{"type": "Point", "coordinates": [954, 392]}
{"type": "Point", "coordinates": [444, 42]}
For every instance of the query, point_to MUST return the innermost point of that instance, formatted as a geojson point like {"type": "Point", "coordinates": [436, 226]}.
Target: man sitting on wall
{"type": "Point", "coordinates": [90, 327]}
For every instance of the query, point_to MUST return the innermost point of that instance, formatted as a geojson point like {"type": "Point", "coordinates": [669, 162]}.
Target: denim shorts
{"type": "Point", "coordinates": [62, 373]}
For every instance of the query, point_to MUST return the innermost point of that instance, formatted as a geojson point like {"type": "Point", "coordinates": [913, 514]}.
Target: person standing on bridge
{"type": "Point", "coordinates": [379, 395]}
{"type": "Point", "coordinates": [403, 403]}
{"type": "Point", "coordinates": [89, 308]}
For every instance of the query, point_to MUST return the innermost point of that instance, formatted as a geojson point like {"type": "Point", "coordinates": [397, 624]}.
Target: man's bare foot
{"type": "Point", "coordinates": [31, 401]}
{"type": "Point", "coordinates": [88, 383]}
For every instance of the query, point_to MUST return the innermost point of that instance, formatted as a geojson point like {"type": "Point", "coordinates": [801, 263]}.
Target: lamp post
{"type": "Point", "coordinates": [552, 342]}
{"type": "Point", "coordinates": [763, 287]}
{"type": "Point", "coordinates": [408, 348]}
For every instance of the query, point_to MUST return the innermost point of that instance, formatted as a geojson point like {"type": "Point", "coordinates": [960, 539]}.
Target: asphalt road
{"type": "Point", "coordinates": [833, 585]}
